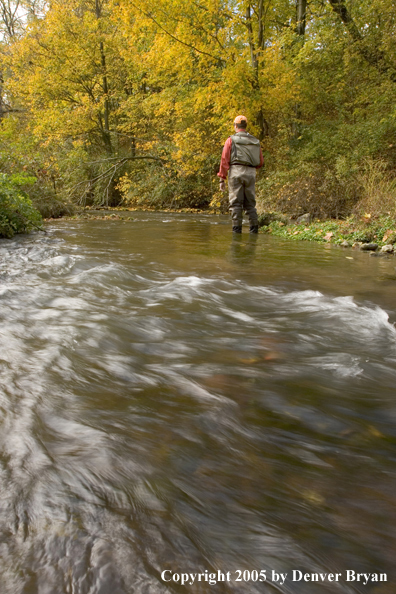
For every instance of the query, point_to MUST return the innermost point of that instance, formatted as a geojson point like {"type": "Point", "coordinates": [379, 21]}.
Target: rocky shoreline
{"type": "Point", "coordinates": [375, 235]}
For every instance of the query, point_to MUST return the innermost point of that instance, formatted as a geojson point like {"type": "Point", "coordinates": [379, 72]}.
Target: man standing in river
{"type": "Point", "coordinates": [241, 155]}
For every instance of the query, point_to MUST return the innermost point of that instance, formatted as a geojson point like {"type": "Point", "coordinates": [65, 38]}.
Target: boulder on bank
{"type": "Point", "coordinates": [369, 247]}
{"type": "Point", "coordinates": [266, 218]}
{"type": "Point", "coordinates": [345, 244]}
{"type": "Point", "coordinates": [304, 219]}
{"type": "Point", "coordinates": [387, 249]}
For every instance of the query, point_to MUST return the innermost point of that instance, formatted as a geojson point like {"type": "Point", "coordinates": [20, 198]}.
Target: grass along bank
{"type": "Point", "coordinates": [353, 230]}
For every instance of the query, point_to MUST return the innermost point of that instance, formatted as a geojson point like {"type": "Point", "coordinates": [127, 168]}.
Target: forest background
{"type": "Point", "coordinates": [129, 102]}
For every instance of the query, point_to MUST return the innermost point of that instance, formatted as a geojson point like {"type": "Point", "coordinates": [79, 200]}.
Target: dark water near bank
{"type": "Point", "coordinates": [173, 398]}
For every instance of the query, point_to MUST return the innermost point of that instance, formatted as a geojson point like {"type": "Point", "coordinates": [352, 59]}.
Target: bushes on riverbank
{"type": "Point", "coordinates": [17, 214]}
{"type": "Point", "coordinates": [371, 188]}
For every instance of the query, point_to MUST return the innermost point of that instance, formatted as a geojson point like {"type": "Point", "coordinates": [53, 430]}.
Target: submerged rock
{"type": "Point", "coordinates": [369, 247]}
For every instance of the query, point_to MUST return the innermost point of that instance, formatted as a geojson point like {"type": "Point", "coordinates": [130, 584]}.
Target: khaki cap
{"type": "Point", "coordinates": [239, 119]}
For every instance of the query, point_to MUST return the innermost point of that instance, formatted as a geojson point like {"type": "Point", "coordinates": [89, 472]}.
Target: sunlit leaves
{"type": "Point", "coordinates": [100, 79]}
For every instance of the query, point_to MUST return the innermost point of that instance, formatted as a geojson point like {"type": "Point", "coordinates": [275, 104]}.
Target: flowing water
{"type": "Point", "coordinates": [175, 399]}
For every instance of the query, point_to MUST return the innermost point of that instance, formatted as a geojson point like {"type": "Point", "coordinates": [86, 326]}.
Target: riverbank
{"type": "Point", "coordinates": [114, 213]}
{"type": "Point", "coordinates": [368, 233]}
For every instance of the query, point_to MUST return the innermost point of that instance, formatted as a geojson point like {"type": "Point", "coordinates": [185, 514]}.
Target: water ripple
{"type": "Point", "coordinates": [187, 417]}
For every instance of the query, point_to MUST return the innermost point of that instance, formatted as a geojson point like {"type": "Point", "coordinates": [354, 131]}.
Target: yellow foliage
{"type": "Point", "coordinates": [163, 78]}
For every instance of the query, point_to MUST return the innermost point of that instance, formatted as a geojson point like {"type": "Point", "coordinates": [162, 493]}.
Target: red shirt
{"type": "Point", "coordinates": [226, 156]}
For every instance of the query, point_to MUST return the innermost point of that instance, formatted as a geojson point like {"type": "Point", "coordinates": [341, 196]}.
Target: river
{"type": "Point", "coordinates": [177, 400]}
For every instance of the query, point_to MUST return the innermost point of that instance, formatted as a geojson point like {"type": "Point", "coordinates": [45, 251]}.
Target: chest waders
{"type": "Point", "coordinates": [245, 150]}
{"type": "Point", "coordinates": [245, 157]}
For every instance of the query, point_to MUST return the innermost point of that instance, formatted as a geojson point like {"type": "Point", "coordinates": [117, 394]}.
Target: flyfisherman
{"type": "Point", "coordinates": [241, 155]}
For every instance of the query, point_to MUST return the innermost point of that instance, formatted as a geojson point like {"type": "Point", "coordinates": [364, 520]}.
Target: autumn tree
{"type": "Point", "coordinates": [126, 100]}
{"type": "Point", "coordinates": [69, 75]}
{"type": "Point", "coordinates": [201, 63]}
{"type": "Point", "coordinates": [346, 113]}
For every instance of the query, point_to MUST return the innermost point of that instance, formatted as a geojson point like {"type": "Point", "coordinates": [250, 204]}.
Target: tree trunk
{"type": "Point", "coordinates": [106, 115]}
{"type": "Point", "coordinates": [260, 39]}
{"type": "Point", "coordinates": [301, 11]}
{"type": "Point", "coordinates": [301, 17]}
{"type": "Point", "coordinates": [105, 122]}
{"type": "Point", "coordinates": [253, 56]}
{"type": "Point", "coordinates": [263, 125]}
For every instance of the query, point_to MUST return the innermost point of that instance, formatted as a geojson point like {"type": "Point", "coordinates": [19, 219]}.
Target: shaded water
{"type": "Point", "coordinates": [173, 398]}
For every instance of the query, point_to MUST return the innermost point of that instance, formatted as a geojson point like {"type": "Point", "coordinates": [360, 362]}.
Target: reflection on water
{"type": "Point", "coordinates": [176, 398]}
{"type": "Point", "coordinates": [243, 250]}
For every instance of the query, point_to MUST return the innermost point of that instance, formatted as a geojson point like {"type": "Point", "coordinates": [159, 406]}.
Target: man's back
{"type": "Point", "coordinates": [245, 149]}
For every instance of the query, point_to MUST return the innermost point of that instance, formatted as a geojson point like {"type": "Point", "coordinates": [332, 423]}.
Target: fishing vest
{"type": "Point", "coordinates": [245, 150]}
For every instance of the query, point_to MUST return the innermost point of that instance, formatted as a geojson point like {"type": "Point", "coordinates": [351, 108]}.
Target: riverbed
{"type": "Point", "coordinates": [178, 400]}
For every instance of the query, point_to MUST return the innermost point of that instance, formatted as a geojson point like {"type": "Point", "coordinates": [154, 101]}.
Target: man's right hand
{"type": "Point", "coordinates": [222, 186]}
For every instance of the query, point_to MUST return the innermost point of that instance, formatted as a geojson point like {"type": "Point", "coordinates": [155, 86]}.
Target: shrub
{"type": "Point", "coordinates": [320, 194]}
{"type": "Point", "coordinates": [378, 188]}
{"type": "Point", "coordinates": [51, 207]}
{"type": "Point", "coordinates": [17, 214]}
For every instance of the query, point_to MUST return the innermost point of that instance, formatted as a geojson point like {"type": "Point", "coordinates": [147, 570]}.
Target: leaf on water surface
{"type": "Point", "coordinates": [249, 361]}
{"type": "Point", "coordinates": [313, 497]}
{"type": "Point", "coordinates": [375, 432]}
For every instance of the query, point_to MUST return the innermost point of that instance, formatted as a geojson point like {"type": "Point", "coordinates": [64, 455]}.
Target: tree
{"type": "Point", "coordinates": [119, 98]}
{"type": "Point", "coordinates": [372, 53]}
{"type": "Point", "coordinates": [68, 76]}
{"type": "Point", "coordinates": [200, 64]}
